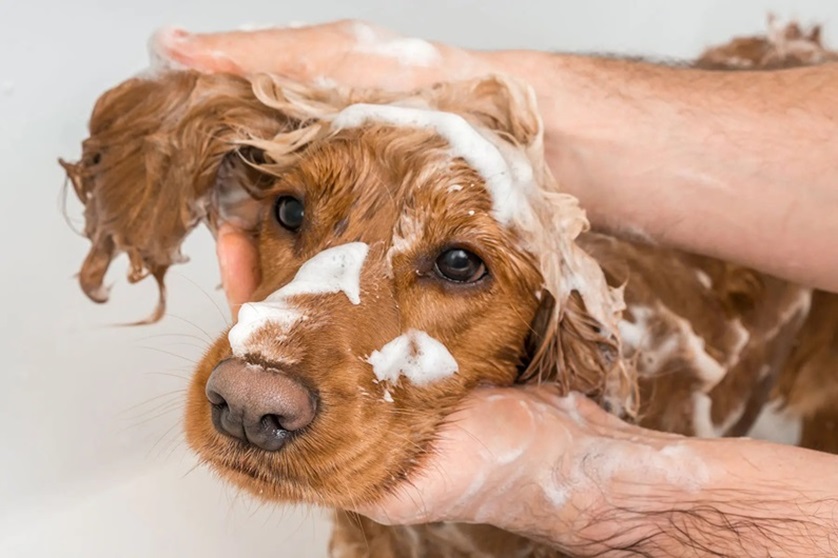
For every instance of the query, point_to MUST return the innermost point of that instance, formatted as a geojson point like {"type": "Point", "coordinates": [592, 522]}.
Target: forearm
{"type": "Point", "coordinates": [738, 165]}
{"type": "Point", "coordinates": [689, 497]}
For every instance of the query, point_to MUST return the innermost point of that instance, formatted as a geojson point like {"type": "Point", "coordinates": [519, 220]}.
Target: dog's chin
{"type": "Point", "coordinates": [280, 477]}
{"type": "Point", "coordinates": [263, 484]}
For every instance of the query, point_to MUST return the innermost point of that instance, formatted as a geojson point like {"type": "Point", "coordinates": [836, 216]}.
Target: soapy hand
{"type": "Point", "coordinates": [343, 53]}
{"type": "Point", "coordinates": [492, 450]}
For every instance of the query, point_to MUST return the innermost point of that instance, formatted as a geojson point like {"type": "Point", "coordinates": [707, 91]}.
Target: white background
{"type": "Point", "coordinates": [92, 463]}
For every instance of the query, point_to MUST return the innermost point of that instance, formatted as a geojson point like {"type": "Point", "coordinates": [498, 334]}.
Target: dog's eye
{"type": "Point", "coordinates": [460, 266]}
{"type": "Point", "coordinates": [289, 212]}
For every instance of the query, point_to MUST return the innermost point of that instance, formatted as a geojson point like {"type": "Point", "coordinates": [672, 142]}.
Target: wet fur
{"type": "Point", "coordinates": [182, 148]}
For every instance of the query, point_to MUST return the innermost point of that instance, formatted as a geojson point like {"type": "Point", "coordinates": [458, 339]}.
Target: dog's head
{"type": "Point", "coordinates": [412, 248]}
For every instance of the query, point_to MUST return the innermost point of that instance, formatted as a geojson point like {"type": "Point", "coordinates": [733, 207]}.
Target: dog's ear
{"type": "Point", "coordinates": [570, 347]}
{"type": "Point", "coordinates": [504, 105]}
{"type": "Point", "coordinates": [148, 174]}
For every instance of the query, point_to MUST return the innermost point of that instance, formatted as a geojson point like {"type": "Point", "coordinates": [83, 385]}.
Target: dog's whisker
{"type": "Point", "coordinates": [160, 439]}
{"type": "Point", "coordinates": [225, 320]}
{"type": "Point", "coordinates": [173, 393]}
{"type": "Point", "coordinates": [138, 424]}
{"type": "Point", "coordinates": [208, 337]}
{"type": "Point", "coordinates": [158, 409]}
{"type": "Point", "coordinates": [175, 442]}
{"type": "Point", "coordinates": [175, 335]}
{"type": "Point", "coordinates": [167, 374]}
{"type": "Point", "coordinates": [170, 353]}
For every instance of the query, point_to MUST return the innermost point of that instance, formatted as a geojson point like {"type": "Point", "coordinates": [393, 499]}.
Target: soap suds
{"type": "Point", "coordinates": [406, 50]}
{"type": "Point", "coordinates": [407, 233]}
{"type": "Point", "coordinates": [731, 419]}
{"type": "Point", "coordinates": [556, 494]}
{"type": "Point", "coordinates": [331, 271]}
{"type": "Point", "coordinates": [158, 45]}
{"type": "Point", "coordinates": [704, 279]}
{"type": "Point", "coordinates": [606, 459]}
{"type": "Point", "coordinates": [507, 182]}
{"type": "Point", "coordinates": [267, 26]}
{"type": "Point", "coordinates": [654, 352]}
{"type": "Point", "coordinates": [253, 316]}
{"type": "Point", "coordinates": [702, 415]}
{"type": "Point", "coordinates": [775, 424]}
{"type": "Point", "coordinates": [415, 355]}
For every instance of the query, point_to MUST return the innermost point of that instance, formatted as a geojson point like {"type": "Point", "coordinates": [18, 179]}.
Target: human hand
{"type": "Point", "coordinates": [346, 53]}
{"type": "Point", "coordinates": [238, 261]}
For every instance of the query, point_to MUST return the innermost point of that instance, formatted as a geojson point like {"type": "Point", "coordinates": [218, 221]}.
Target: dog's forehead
{"type": "Point", "coordinates": [505, 172]}
{"type": "Point", "coordinates": [366, 183]}
{"type": "Point", "coordinates": [384, 168]}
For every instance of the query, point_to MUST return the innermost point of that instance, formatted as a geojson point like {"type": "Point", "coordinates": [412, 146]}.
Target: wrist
{"type": "Point", "coordinates": [570, 489]}
{"type": "Point", "coordinates": [544, 494]}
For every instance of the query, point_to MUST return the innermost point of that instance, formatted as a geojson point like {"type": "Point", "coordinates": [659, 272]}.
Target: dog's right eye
{"type": "Point", "coordinates": [460, 266]}
{"type": "Point", "coordinates": [289, 211]}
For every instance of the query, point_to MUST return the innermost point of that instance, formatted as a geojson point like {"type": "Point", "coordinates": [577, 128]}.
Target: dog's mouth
{"type": "Point", "coordinates": [262, 473]}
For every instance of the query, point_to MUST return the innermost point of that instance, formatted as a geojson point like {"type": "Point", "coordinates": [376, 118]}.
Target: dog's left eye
{"type": "Point", "coordinates": [460, 266]}
{"type": "Point", "coordinates": [289, 211]}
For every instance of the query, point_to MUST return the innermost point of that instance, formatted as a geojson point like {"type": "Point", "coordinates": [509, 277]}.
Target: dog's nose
{"type": "Point", "coordinates": [257, 405]}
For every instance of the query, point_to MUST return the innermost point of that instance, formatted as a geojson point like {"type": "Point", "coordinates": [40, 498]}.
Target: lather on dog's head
{"type": "Point", "coordinates": [412, 247]}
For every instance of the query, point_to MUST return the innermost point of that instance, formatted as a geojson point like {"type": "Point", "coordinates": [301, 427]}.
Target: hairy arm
{"type": "Point", "coordinates": [738, 165]}
{"type": "Point", "coordinates": [563, 471]}
{"type": "Point", "coordinates": [627, 492]}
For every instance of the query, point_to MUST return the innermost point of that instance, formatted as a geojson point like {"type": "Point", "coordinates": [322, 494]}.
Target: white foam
{"type": "Point", "coordinates": [407, 233]}
{"type": "Point", "coordinates": [655, 352]}
{"type": "Point", "coordinates": [251, 26]}
{"type": "Point", "coordinates": [607, 459]}
{"type": "Point", "coordinates": [704, 279]}
{"type": "Point", "coordinates": [333, 270]}
{"type": "Point", "coordinates": [415, 355]}
{"type": "Point", "coordinates": [254, 316]}
{"type": "Point", "coordinates": [408, 51]}
{"type": "Point", "coordinates": [507, 180]}
{"type": "Point", "coordinates": [775, 424]}
{"type": "Point", "coordinates": [702, 415]}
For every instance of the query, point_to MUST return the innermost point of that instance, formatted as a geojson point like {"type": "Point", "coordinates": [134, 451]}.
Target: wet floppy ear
{"type": "Point", "coordinates": [149, 170]}
{"type": "Point", "coordinates": [568, 346]}
{"type": "Point", "coordinates": [240, 185]}
{"type": "Point", "coordinates": [504, 105]}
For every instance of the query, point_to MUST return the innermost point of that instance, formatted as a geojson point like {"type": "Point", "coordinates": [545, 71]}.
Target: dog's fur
{"type": "Point", "coordinates": [678, 342]}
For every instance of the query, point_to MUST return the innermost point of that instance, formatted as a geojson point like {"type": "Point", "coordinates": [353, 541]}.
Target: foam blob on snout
{"type": "Point", "coordinates": [415, 355]}
{"type": "Point", "coordinates": [332, 271]}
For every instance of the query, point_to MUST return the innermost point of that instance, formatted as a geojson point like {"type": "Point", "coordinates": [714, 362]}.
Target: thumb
{"type": "Point", "coordinates": [238, 259]}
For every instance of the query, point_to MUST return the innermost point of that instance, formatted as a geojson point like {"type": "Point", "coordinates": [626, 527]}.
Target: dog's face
{"type": "Point", "coordinates": [392, 291]}
{"type": "Point", "coordinates": [412, 247]}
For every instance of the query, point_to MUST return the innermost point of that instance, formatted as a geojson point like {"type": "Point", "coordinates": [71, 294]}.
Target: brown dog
{"type": "Point", "coordinates": [413, 247]}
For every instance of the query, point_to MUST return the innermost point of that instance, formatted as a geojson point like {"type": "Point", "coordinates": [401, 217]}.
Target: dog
{"type": "Point", "coordinates": [414, 246]}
